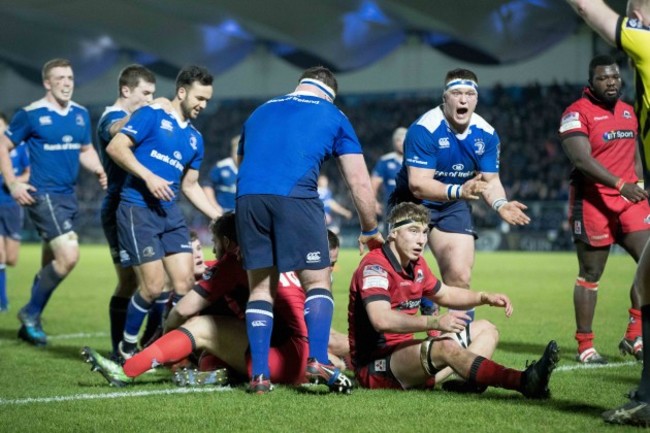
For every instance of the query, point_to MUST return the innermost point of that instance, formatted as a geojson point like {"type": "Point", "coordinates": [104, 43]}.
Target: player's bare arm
{"type": "Point", "coordinates": [20, 190]}
{"type": "Point", "coordinates": [196, 195]}
{"type": "Point", "coordinates": [354, 171]}
{"type": "Point", "coordinates": [119, 149]}
{"type": "Point", "coordinates": [189, 305]}
{"type": "Point", "coordinates": [425, 187]}
{"type": "Point", "coordinates": [578, 149]}
{"type": "Point", "coordinates": [455, 297]}
{"type": "Point", "coordinates": [494, 195]}
{"type": "Point", "coordinates": [599, 16]}
{"type": "Point", "coordinates": [90, 161]}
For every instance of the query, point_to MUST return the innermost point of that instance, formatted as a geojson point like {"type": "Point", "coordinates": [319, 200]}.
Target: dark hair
{"type": "Point", "coordinates": [194, 236]}
{"type": "Point", "coordinates": [224, 227]}
{"type": "Point", "coordinates": [54, 63]}
{"type": "Point", "coordinates": [191, 74]}
{"type": "Point", "coordinates": [464, 74]}
{"type": "Point", "coordinates": [131, 75]}
{"type": "Point", "coordinates": [322, 74]}
{"type": "Point", "coordinates": [333, 240]}
{"type": "Point", "coordinates": [600, 60]}
{"type": "Point", "coordinates": [4, 117]}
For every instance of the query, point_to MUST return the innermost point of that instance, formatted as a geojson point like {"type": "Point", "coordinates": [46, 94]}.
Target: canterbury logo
{"type": "Point", "coordinates": [258, 323]}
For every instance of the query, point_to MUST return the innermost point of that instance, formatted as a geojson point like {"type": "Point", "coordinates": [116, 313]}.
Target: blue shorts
{"type": "Point", "coordinates": [288, 233]}
{"type": "Point", "coordinates": [148, 234]}
{"type": "Point", "coordinates": [11, 220]}
{"type": "Point", "coordinates": [452, 217]}
{"type": "Point", "coordinates": [53, 215]}
{"type": "Point", "coordinates": [109, 225]}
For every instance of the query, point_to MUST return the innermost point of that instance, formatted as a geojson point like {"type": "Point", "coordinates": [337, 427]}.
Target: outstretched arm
{"type": "Point", "coordinates": [494, 195]}
{"type": "Point", "coordinates": [600, 17]}
{"type": "Point", "coordinates": [196, 195]}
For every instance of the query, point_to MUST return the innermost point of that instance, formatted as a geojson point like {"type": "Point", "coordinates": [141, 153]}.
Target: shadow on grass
{"type": "Point", "coordinates": [520, 347]}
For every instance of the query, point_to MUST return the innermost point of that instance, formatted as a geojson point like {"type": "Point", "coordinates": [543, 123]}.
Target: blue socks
{"type": "Point", "coordinates": [319, 308]}
{"type": "Point", "coordinates": [135, 314]}
{"type": "Point", "coordinates": [259, 326]}
{"type": "Point", "coordinates": [4, 302]}
{"type": "Point", "coordinates": [44, 284]}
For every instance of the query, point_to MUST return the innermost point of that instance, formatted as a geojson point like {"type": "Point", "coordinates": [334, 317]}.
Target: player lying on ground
{"type": "Point", "coordinates": [385, 295]}
{"type": "Point", "coordinates": [220, 330]}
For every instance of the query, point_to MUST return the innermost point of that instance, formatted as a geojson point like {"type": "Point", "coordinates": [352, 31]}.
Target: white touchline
{"type": "Point", "coordinates": [65, 337]}
{"type": "Point", "coordinates": [596, 366]}
{"type": "Point", "coordinates": [64, 398]}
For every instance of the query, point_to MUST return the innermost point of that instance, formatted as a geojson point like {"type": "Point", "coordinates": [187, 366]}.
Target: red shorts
{"type": "Point", "coordinates": [599, 220]}
{"type": "Point", "coordinates": [287, 362]}
{"type": "Point", "coordinates": [377, 375]}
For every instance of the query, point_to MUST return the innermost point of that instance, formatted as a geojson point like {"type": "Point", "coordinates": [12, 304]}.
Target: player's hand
{"type": "Point", "coordinates": [633, 192]}
{"type": "Point", "coordinates": [473, 187]}
{"type": "Point", "coordinates": [164, 103]}
{"type": "Point", "coordinates": [159, 187]}
{"type": "Point", "coordinates": [372, 242]}
{"type": "Point", "coordinates": [20, 191]}
{"type": "Point", "coordinates": [454, 321]}
{"type": "Point", "coordinates": [497, 300]}
{"type": "Point", "coordinates": [101, 177]}
{"type": "Point", "coordinates": [513, 213]}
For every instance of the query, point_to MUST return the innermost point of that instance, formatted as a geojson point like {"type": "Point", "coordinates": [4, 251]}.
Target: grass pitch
{"type": "Point", "coordinates": [52, 390]}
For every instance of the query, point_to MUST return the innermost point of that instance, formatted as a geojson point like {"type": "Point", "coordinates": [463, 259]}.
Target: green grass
{"type": "Point", "coordinates": [539, 284]}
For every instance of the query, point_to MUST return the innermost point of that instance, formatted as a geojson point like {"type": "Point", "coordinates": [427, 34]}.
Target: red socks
{"type": "Point", "coordinates": [169, 348]}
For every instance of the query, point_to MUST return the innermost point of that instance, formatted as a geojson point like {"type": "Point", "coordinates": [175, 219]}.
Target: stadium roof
{"type": "Point", "coordinates": [346, 35]}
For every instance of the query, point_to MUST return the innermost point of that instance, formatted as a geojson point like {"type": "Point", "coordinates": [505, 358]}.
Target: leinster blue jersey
{"type": "Point", "coordinates": [114, 173]}
{"type": "Point", "coordinates": [166, 146]}
{"type": "Point", "coordinates": [285, 141]}
{"type": "Point", "coordinates": [223, 178]}
{"type": "Point", "coordinates": [431, 144]}
{"type": "Point", "coordinates": [386, 169]}
{"type": "Point", "coordinates": [20, 161]}
{"type": "Point", "coordinates": [54, 139]}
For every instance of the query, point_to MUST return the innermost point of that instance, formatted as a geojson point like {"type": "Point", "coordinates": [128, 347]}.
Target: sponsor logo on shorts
{"type": "Point", "coordinates": [618, 134]}
{"type": "Point", "coordinates": [443, 143]}
{"type": "Point", "coordinates": [148, 252]}
{"type": "Point", "coordinates": [313, 257]}
{"type": "Point", "coordinates": [45, 120]}
{"type": "Point", "coordinates": [577, 228]}
{"type": "Point", "coordinates": [599, 237]}
{"type": "Point", "coordinates": [67, 225]}
{"type": "Point", "coordinates": [258, 323]}
{"type": "Point", "coordinates": [124, 256]}
{"type": "Point", "coordinates": [380, 365]}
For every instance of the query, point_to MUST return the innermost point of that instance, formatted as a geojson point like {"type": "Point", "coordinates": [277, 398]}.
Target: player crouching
{"type": "Point", "coordinates": [385, 295]}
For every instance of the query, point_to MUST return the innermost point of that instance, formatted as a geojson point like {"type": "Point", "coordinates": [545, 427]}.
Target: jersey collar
{"type": "Point", "coordinates": [395, 263]}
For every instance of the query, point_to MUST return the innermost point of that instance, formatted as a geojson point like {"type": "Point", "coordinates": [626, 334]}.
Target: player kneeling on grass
{"type": "Point", "coordinates": [385, 295]}
{"type": "Point", "coordinates": [220, 329]}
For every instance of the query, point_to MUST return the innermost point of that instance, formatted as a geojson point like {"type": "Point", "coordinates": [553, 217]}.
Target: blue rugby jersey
{"type": "Point", "coordinates": [431, 144]}
{"type": "Point", "coordinates": [223, 179]}
{"type": "Point", "coordinates": [20, 161]}
{"type": "Point", "coordinates": [114, 173]}
{"type": "Point", "coordinates": [387, 169]}
{"type": "Point", "coordinates": [54, 139]}
{"type": "Point", "coordinates": [165, 145]}
{"type": "Point", "coordinates": [285, 141]}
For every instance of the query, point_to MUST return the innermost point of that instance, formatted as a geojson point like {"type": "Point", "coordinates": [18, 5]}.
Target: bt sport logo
{"type": "Point", "coordinates": [618, 134]}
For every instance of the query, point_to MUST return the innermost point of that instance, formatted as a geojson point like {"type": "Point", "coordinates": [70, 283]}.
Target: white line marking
{"type": "Point", "coordinates": [76, 397]}
{"type": "Point", "coordinates": [595, 366]}
{"type": "Point", "coordinates": [64, 337]}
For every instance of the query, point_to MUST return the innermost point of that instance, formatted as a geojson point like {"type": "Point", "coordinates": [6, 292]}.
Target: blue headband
{"type": "Point", "coordinates": [322, 86]}
{"type": "Point", "coordinates": [459, 82]}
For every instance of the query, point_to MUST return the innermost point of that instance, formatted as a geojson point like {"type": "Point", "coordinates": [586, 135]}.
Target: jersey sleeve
{"type": "Point", "coordinates": [195, 164]}
{"type": "Point", "coordinates": [633, 37]}
{"type": "Point", "coordinates": [140, 124]}
{"type": "Point", "coordinates": [489, 161]}
{"type": "Point", "coordinates": [373, 282]}
{"type": "Point", "coordinates": [24, 157]}
{"type": "Point", "coordinates": [431, 283]}
{"type": "Point", "coordinates": [20, 128]}
{"type": "Point", "coordinates": [346, 141]}
{"type": "Point", "coordinates": [419, 150]}
{"type": "Point", "coordinates": [87, 134]}
{"type": "Point", "coordinates": [105, 123]}
{"type": "Point", "coordinates": [573, 122]}
{"type": "Point", "coordinates": [379, 170]}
